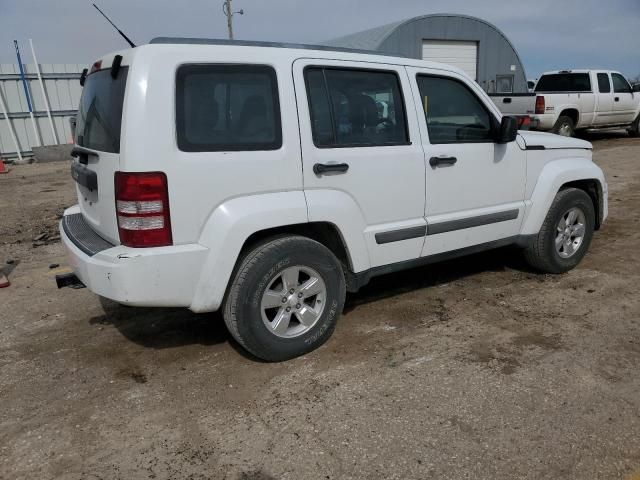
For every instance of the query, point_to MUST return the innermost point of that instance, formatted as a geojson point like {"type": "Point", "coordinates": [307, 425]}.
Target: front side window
{"type": "Point", "coordinates": [604, 86]}
{"type": "Point", "coordinates": [620, 85]}
{"type": "Point", "coordinates": [355, 108]}
{"type": "Point", "coordinates": [227, 108]}
{"type": "Point", "coordinates": [564, 82]}
{"type": "Point", "coordinates": [454, 114]}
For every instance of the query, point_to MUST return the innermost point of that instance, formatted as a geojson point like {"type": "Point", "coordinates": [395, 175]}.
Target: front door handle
{"type": "Point", "coordinates": [617, 99]}
{"type": "Point", "coordinates": [322, 168]}
{"type": "Point", "coordinates": [435, 161]}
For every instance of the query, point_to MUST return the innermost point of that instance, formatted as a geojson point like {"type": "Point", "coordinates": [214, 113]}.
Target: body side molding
{"type": "Point", "coordinates": [442, 227]}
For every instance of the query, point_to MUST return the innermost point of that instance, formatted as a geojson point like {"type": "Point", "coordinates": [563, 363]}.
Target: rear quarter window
{"type": "Point", "coordinates": [227, 108]}
{"type": "Point", "coordinates": [564, 82]}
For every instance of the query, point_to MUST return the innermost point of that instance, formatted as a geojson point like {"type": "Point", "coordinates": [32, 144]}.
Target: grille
{"type": "Point", "coordinates": [83, 236]}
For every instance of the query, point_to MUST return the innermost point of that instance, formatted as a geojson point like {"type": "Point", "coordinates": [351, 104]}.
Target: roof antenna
{"type": "Point", "coordinates": [133, 45]}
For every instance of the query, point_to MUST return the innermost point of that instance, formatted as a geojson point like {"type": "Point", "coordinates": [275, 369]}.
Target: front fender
{"type": "Point", "coordinates": [553, 176]}
{"type": "Point", "coordinates": [226, 230]}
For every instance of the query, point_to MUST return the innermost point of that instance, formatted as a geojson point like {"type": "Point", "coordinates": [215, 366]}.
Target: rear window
{"type": "Point", "coordinates": [227, 108]}
{"type": "Point", "coordinates": [603, 83]}
{"type": "Point", "coordinates": [564, 82]}
{"type": "Point", "coordinates": [99, 117]}
{"type": "Point", "coordinates": [355, 108]}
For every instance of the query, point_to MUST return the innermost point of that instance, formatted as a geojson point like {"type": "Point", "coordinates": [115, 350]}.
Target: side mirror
{"type": "Point", "coordinates": [636, 87]}
{"type": "Point", "coordinates": [508, 130]}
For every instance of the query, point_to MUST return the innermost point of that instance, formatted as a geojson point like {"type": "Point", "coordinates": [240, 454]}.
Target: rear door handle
{"type": "Point", "coordinates": [617, 99]}
{"type": "Point", "coordinates": [435, 161]}
{"type": "Point", "coordinates": [322, 168]}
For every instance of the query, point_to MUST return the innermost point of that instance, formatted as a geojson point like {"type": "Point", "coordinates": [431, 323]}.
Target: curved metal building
{"type": "Point", "coordinates": [470, 43]}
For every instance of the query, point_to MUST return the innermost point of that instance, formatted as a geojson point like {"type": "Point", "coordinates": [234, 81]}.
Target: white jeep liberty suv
{"type": "Point", "coordinates": [267, 180]}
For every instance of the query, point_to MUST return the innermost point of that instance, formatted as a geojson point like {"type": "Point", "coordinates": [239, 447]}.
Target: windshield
{"type": "Point", "coordinates": [564, 82]}
{"type": "Point", "coordinates": [100, 111]}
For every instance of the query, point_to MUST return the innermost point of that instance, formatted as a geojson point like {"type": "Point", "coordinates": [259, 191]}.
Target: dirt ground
{"type": "Point", "coordinates": [475, 368]}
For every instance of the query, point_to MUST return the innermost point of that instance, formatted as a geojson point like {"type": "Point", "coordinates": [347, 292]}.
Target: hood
{"type": "Point", "coordinates": [551, 141]}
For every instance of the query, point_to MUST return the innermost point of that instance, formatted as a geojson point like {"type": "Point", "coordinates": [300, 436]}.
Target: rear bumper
{"type": "Point", "coordinates": [146, 277]}
{"type": "Point", "coordinates": [543, 122]}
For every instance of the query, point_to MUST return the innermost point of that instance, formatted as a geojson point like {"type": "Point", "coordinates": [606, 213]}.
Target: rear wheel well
{"type": "Point", "coordinates": [323, 232]}
{"type": "Point", "coordinates": [592, 188]}
{"type": "Point", "coordinates": [572, 113]}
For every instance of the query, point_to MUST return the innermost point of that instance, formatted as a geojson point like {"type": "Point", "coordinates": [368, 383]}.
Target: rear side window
{"type": "Point", "coordinates": [604, 85]}
{"type": "Point", "coordinates": [620, 85]}
{"type": "Point", "coordinates": [564, 82]}
{"type": "Point", "coordinates": [99, 119]}
{"type": "Point", "coordinates": [355, 108]}
{"type": "Point", "coordinates": [454, 114]}
{"type": "Point", "coordinates": [227, 108]}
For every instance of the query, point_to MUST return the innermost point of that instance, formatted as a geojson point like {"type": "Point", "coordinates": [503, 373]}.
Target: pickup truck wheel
{"type": "Point", "coordinates": [634, 130]}
{"type": "Point", "coordinates": [564, 126]}
{"type": "Point", "coordinates": [285, 299]}
{"type": "Point", "coordinates": [565, 234]}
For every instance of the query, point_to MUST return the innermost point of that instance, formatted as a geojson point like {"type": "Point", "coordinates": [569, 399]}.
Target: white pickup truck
{"type": "Point", "coordinates": [570, 100]}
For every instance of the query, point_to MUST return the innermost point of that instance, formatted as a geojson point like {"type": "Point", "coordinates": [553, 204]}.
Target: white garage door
{"type": "Point", "coordinates": [458, 53]}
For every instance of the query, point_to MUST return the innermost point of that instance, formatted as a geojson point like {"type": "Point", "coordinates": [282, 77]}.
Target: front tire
{"type": "Point", "coordinates": [564, 126]}
{"type": "Point", "coordinates": [565, 235]}
{"type": "Point", "coordinates": [285, 299]}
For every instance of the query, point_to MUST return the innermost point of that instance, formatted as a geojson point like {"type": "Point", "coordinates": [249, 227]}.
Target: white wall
{"type": "Point", "coordinates": [63, 90]}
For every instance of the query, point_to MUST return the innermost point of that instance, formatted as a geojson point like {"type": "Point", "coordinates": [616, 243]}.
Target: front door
{"type": "Point", "coordinates": [623, 99]}
{"type": "Point", "coordinates": [362, 156]}
{"type": "Point", "coordinates": [475, 187]}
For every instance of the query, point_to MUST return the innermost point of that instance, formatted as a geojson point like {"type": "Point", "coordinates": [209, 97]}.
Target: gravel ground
{"type": "Point", "coordinates": [474, 368]}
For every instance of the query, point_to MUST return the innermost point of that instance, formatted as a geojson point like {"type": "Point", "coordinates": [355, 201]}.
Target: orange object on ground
{"type": "Point", "coordinates": [3, 169]}
{"type": "Point", "coordinates": [4, 282]}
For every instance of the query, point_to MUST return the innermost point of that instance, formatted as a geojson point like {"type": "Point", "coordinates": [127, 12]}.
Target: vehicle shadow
{"type": "Point", "coordinates": [436, 274]}
{"type": "Point", "coordinates": [161, 328]}
{"type": "Point", "coordinates": [596, 135]}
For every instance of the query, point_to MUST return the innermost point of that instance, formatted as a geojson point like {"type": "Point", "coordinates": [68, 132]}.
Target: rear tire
{"type": "Point", "coordinates": [564, 126]}
{"type": "Point", "coordinates": [634, 129]}
{"type": "Point", "coordinates": [557, 248]}
{"type": "Point", "coordinates": [285, 298]}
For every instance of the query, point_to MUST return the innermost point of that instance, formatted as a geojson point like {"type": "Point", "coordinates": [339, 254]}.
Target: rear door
{"type": "Point", "coordinates": [623, 99]}
{"type": "Point", "coordinates": [475, 187]}
{"type": "Point", "coordinates": [98, 133]}
{"type": "Point", "coordinates": [605, 99]}
{"type": "Point", "coordinates": [361, 147]}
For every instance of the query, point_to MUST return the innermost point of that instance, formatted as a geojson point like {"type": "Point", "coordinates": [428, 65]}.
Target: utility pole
{"type": "Point", "coordinates": [226, 8]}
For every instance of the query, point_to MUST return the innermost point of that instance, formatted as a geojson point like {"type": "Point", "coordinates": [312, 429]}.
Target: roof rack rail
{"type": "Point", "coordinates": [256, 43]}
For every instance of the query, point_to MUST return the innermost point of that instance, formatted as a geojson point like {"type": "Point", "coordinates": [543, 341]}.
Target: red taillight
{"type": "Point", "coordinates": [142, 208]}
{"type": "Point", "coordinates": [524, 123]}
{"type": "Point", "coordinates": [539, 104]}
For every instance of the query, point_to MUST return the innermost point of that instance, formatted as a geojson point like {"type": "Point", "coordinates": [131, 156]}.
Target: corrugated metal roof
{"type": "Point", "coordinates": [367, 39]}
{"type": "Point", "coordinates": [372, 38]}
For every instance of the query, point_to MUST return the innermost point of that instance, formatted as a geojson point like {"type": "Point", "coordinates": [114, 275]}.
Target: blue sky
{"type": "Point", "coordinates": [548, 34]}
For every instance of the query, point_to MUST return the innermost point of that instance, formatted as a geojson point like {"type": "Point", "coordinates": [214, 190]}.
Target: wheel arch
{"type": "Point", "coordinates": [573, 113]}
{"type": "Point", "coordinates": [326, 233]}
{"type": "Point", "coordinates": [238, 224]}
{"type": "Point", "coordinates": [593, 188]}
{"type": "Point", "coordinates": [565, 173]}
